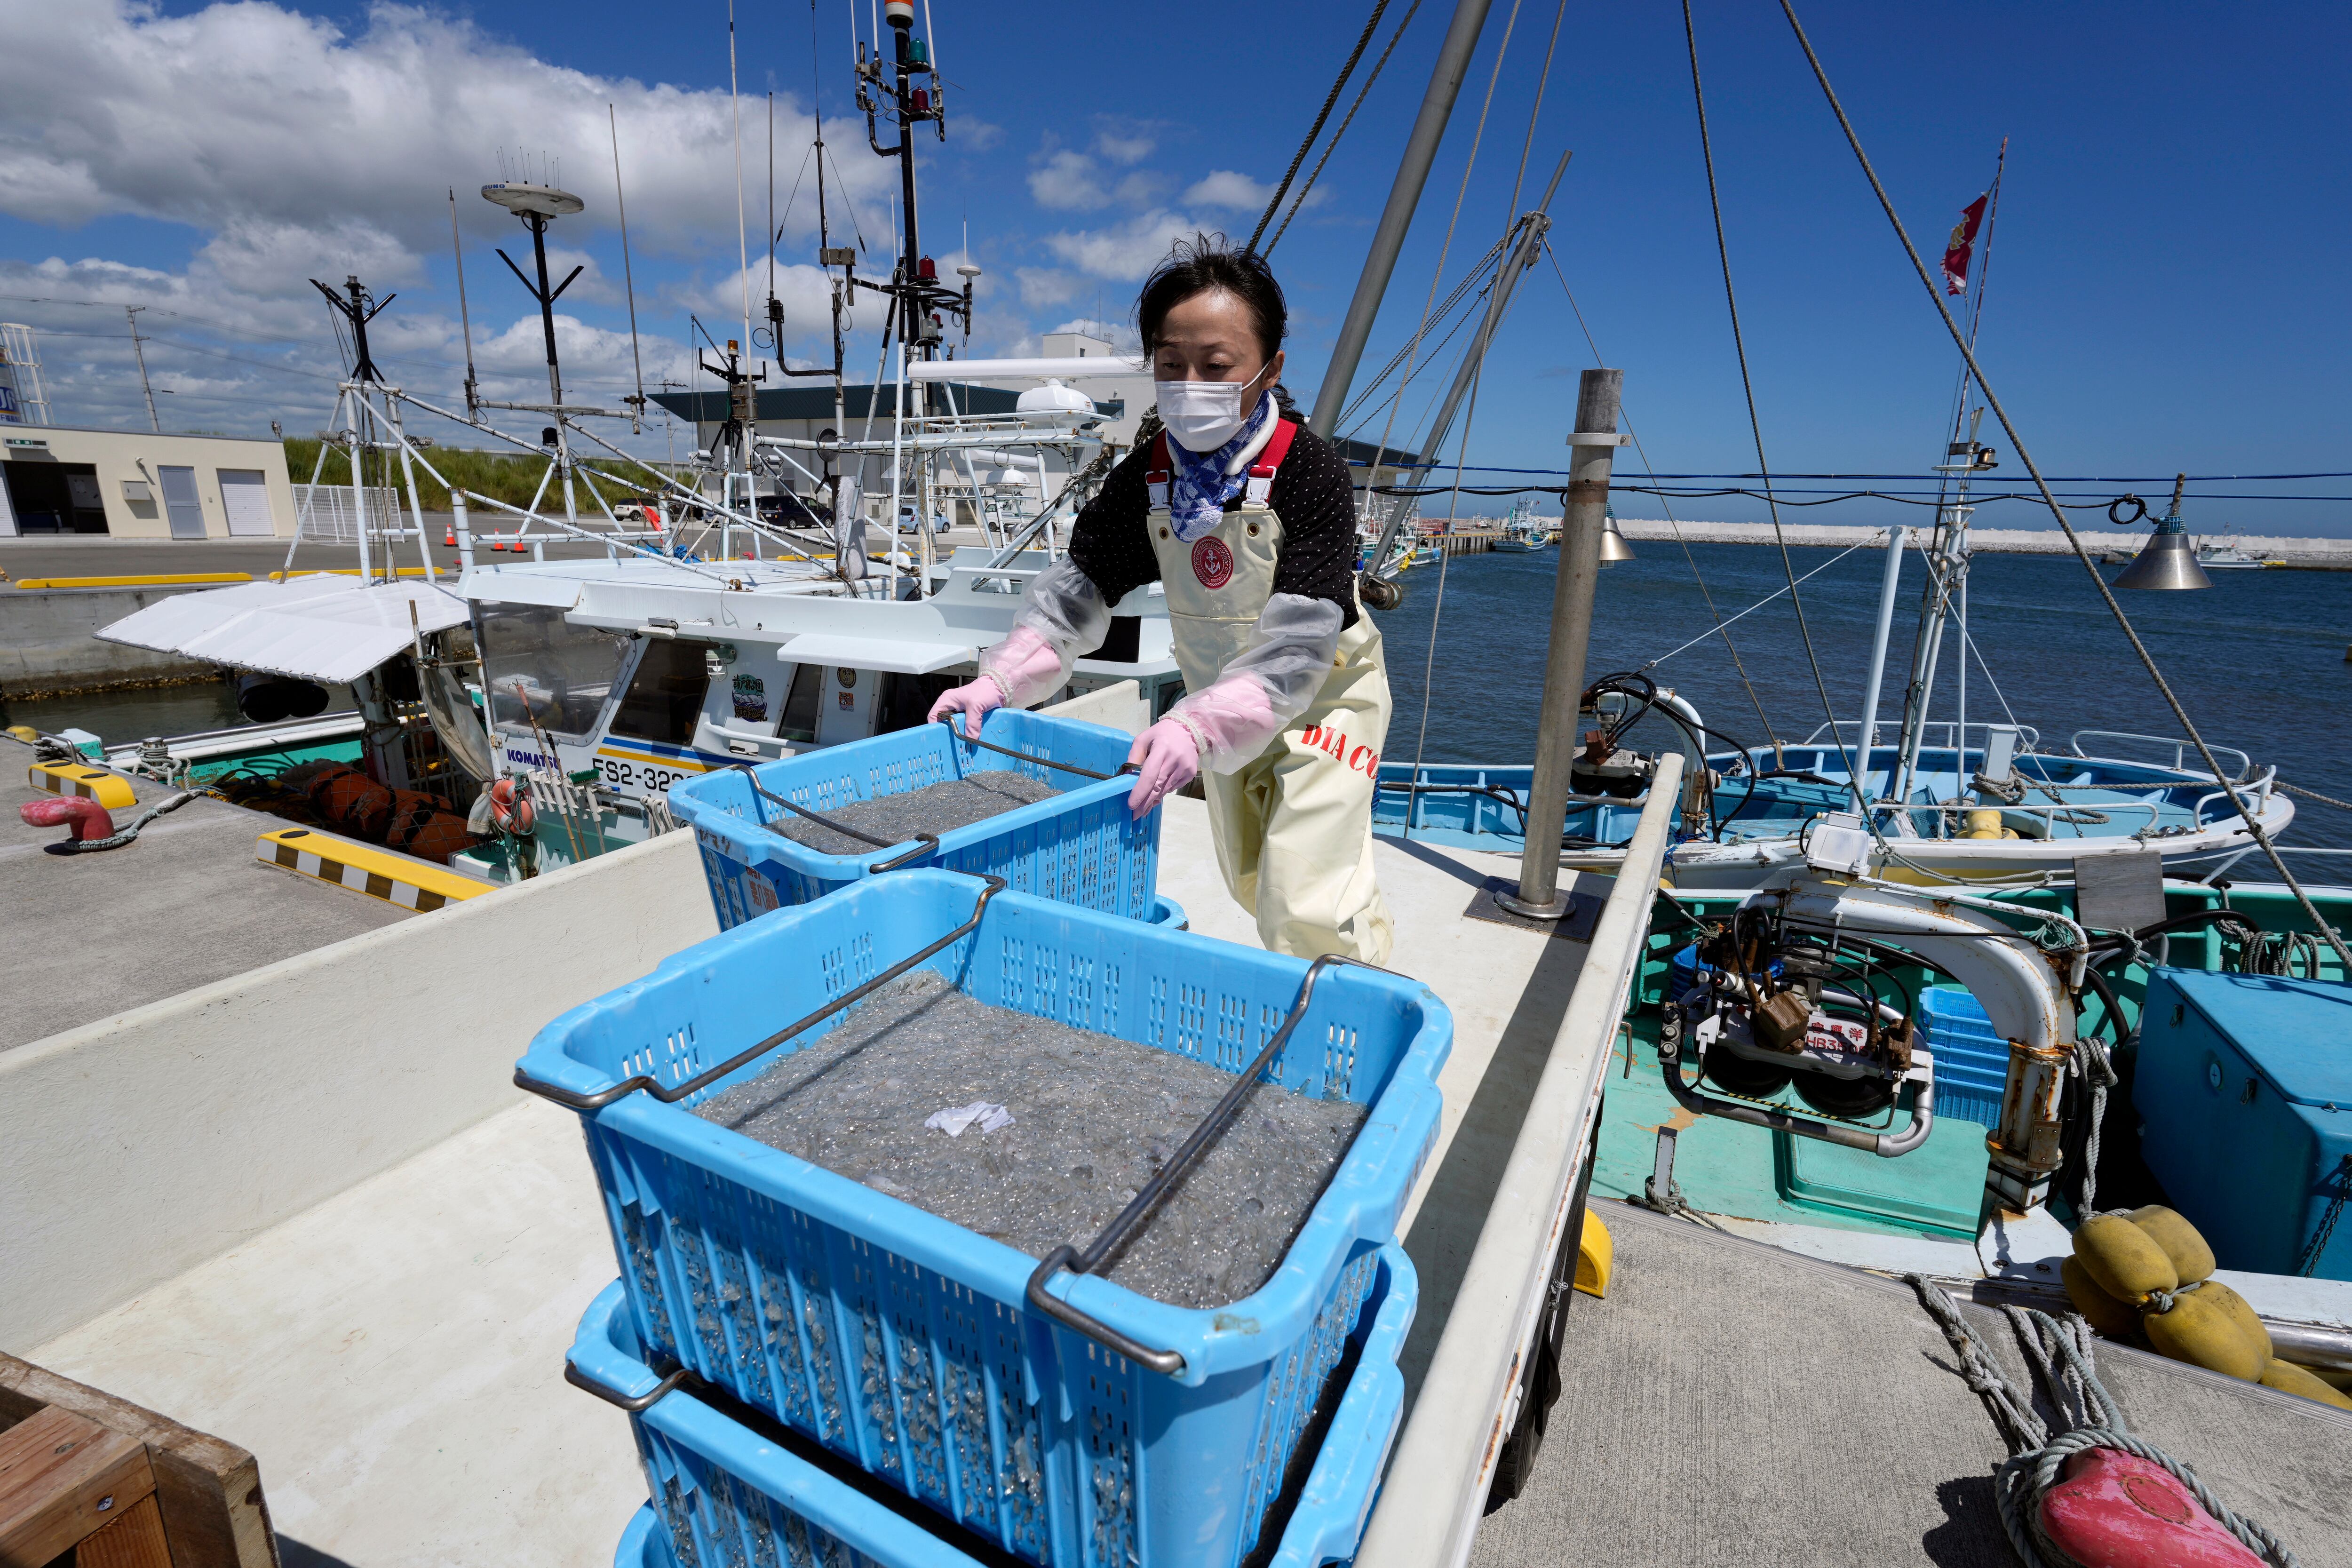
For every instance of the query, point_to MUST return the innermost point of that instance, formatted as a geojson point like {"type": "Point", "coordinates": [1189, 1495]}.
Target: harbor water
{"type": "Point", "coordinates": [2259, 659]}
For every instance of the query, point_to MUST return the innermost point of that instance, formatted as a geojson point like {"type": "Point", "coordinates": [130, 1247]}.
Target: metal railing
{"type": "Point", "coordinates": [325, 514]}
{"type": "Point", "coordinates": [1889, 730]}
{"type": "Point", "coordinates": [1469, 1396]}
{"type": "Point", "coordinates": [2180, 750]}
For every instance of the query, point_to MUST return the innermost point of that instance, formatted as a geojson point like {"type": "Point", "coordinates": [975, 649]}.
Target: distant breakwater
{"type": "Point", "coordinates": [2321, 553]}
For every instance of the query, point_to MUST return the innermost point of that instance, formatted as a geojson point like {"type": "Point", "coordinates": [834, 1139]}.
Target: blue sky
{"type": "Point", "coordinates": [2165, 286]}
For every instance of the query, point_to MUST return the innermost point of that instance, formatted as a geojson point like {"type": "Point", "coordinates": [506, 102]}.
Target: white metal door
{"type": "Point", "coordinates": [245, 496]}
{"type": "Point", "coordinates": [180, 502]}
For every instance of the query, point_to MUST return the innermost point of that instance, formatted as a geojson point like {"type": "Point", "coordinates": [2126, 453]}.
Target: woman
{"type": "Point", "coordinates": [1248, 519]}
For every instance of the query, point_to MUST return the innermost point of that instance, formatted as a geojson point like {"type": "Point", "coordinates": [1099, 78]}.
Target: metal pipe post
{"type": "Point", "coordinates": [1584, 517]}
{"type": "Point", "coordinates": [1886, 587]}
{"type": "Point", "coordinates": [1404, 194]}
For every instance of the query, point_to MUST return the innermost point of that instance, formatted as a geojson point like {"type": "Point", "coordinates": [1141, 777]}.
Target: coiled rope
{"type": "Point", "coordinates": [2059, 1350]}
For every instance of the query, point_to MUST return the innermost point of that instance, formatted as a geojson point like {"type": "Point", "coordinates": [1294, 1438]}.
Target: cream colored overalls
{"type": "Point", "coordinates": [1294, 825]}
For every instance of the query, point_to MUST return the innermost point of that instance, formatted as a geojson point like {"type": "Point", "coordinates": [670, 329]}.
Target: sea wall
{"type": "Point", "coordinates": [139, 1145]}
{"type": "Point", "coordinates": [49, 642]}
{"type": "Point", "coordinates": [2296, 552]}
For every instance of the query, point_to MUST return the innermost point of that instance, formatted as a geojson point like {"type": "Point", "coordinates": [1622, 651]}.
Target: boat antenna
{"type": "Point", "coordinates": [464, 318]}
{"type": "Point", "coordinates": [537, 205]}
{"type": "Point", "coordinates": [628, 278]}
{"type": "Point", "coordinates": [742, 232]}
{"type": "Point", "coordinates": [359, 311]}
{"type": "Point", "coordinates": [825, 255]}
{"type": "Point", "coordinates": [775, 306]}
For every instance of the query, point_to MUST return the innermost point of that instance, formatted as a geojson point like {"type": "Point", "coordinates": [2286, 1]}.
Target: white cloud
{"type": "Point", "coordinates": [1224, 188]}
{"type": "Point", "coordinates": [1124, 148]}
{"type": "Point", "coordinates": [249, 111]}
{"type": "Point", "coordinates": [1045, 285]}
{"type": "Point", "coordinates": [1125, 251]}
{"type": "Point", "coordinates": [1067, 181]}
{"type": "Point", "coordinates": [298, 148]}
{"type": "Point", "coordinates": [1119, 334]}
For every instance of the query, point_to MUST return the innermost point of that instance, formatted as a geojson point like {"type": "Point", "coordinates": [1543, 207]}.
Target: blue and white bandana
{"type": "Point", "coordinates": [1199, 486]}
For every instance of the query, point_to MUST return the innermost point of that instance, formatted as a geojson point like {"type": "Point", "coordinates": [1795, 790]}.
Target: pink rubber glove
{"type": "Point", "coordinates": [1171, 759]}
{"type": "Point", "coordinates": [974, 699]}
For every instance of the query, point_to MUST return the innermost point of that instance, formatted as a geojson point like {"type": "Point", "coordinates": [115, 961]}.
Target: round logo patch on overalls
{"type": "Point", "coordinates": [1213, 563]}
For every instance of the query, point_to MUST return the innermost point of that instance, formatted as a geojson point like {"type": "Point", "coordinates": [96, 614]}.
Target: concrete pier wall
{"type": "Point", "coordinates": [139, 1145]}
{"type": "Point", "coordinates": [49, 642]}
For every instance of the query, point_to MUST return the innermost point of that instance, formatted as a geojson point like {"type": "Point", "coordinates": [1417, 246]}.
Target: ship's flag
{"type": "Point", "coordinates": [1961, 245]}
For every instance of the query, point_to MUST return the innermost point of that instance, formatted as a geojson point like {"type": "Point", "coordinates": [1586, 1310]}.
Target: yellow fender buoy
{"type": "Point", "coordinates": [1595, 1253]}
{"type": "Point", "coordinates": [2241, 1313]}
{"type": "Point", "coordinates": [2110, 1317]}
{"type": "Point", "coordinates": [2192, 1260]}
{"type": "Point", "coordinates": [2125, 1260]}
{"type": "Point", "coordinates": [2205, 1333]}
{"type": "Point", "coordinates": [2289, 1378]}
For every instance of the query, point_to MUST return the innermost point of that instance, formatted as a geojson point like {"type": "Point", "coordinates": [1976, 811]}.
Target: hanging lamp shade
{"type": "Point", "coordinates": [2168, 559]}
{"type": "Point", "coordinates": [1613, 547]}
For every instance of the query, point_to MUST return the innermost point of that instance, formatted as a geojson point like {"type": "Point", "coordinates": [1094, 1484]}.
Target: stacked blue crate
{"type": "Point", "coordinates": [904, 1344]}
{"type": "Point", "coordinates": [1971, 1060]}
{"type": "Point", "coordinates": [733, 1495]}
{"type": "Point", "coordinates": [1083, 846]}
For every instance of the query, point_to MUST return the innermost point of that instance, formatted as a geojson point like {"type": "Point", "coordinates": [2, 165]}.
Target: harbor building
{"type": "Point", "coordinates": [138, 484]}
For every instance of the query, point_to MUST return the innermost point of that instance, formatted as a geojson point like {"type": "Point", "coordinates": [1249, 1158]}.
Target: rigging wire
{"type": "Point", "coordinates": [1755, 425]}
{"type": "Point", "coordinates": [1274, 202]}
{"type": "Point", "coordinates": [2017, 444]}
{"type": "Point", "coordinates": [1502, 51]}
{"type": "Point", "coordinates": [1643, 453]}
{"type": "Point", "coordinates": [1439, 313]}
{"type": "Point", "coordinates": [1349, 119]}
{"type": "Point", "coordinates": [1477, 379]}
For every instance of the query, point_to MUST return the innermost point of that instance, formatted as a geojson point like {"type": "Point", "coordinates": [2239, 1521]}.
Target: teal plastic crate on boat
{"type": "Point", "coordinates": [2244, 1087]}
{"type": "Point", "coordinates": [1080, 847]}
{"type": "Point", "coordinates": [905, 1344]}
{"type": "Point", "coordinates": [1971, 1060]}
{"type": "Point", "coordinates": [733, 1495]}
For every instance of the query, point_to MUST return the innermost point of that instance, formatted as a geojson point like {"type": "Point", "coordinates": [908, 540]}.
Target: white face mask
{"type": "Point", "coordinates": [1202, 415]}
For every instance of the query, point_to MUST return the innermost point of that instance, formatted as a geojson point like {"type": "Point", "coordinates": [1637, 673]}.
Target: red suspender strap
{"type": "Point", "coordinates": [1155, 474]}
{"type": "Point", "coordinates": [1269, 458]}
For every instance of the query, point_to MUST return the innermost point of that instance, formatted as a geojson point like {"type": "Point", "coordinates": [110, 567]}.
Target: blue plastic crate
{"type": "Point", "coordinates": [1971, 1060]}
{"type": "Point", "coordinates": [905, 1343]}
{"type": "Point", "coordinates": [735, 1497]}
{"type": "Point", "coordinates": [1080, 847]}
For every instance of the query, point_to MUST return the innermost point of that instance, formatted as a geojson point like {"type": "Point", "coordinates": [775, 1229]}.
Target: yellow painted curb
{"type": "Point", "coordinates": [401, 879]}
{"type": "Point", "coordinates": [149, 580]}
{"type": "Point", "coordinates": [352, 571]}
{"type": "Point", "coordinates": [111, 791]}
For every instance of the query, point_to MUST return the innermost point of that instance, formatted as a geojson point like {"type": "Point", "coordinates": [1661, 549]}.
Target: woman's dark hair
{"type": "Point", "coordinates": [1204, 262]}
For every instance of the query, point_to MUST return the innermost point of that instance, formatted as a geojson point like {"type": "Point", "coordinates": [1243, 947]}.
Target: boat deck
{"type": "Point", "coordinates": [394, 1354]}
{"type": "Point", "coordinates": [1730, 1402]}
{"type": "Point", "coordinates": [83, 937]}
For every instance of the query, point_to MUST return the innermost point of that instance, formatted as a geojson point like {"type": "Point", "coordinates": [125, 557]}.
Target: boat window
{"type": "Point", "coordinates": [665, 696]}
{"type": "Point", "coordinates": [800, 704]}
{"type": "Point", "coordinates": [541, 666]}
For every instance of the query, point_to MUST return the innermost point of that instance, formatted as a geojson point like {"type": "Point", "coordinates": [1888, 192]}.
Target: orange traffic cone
{"type": "Point", "coordinates": [450, 541]}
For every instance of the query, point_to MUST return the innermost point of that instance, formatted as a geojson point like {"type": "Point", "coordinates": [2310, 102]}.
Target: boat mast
{"type": "Point", "coordinates": [1405, 195]}
{"type": "Point", "coordinates": [916, 298]}
{"type": "Point", "coordinates": [1947, 551]}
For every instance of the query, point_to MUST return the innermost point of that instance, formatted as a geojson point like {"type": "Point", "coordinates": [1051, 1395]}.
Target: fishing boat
{"type": "Point", "coordinates": [1524, 533]}
{"type": "Point", "coordinates": [1691, 1137]}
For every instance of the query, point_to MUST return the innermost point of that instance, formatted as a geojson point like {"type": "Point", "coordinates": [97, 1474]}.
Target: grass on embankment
{"type": "Point", "coordinates": [511, 477]}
